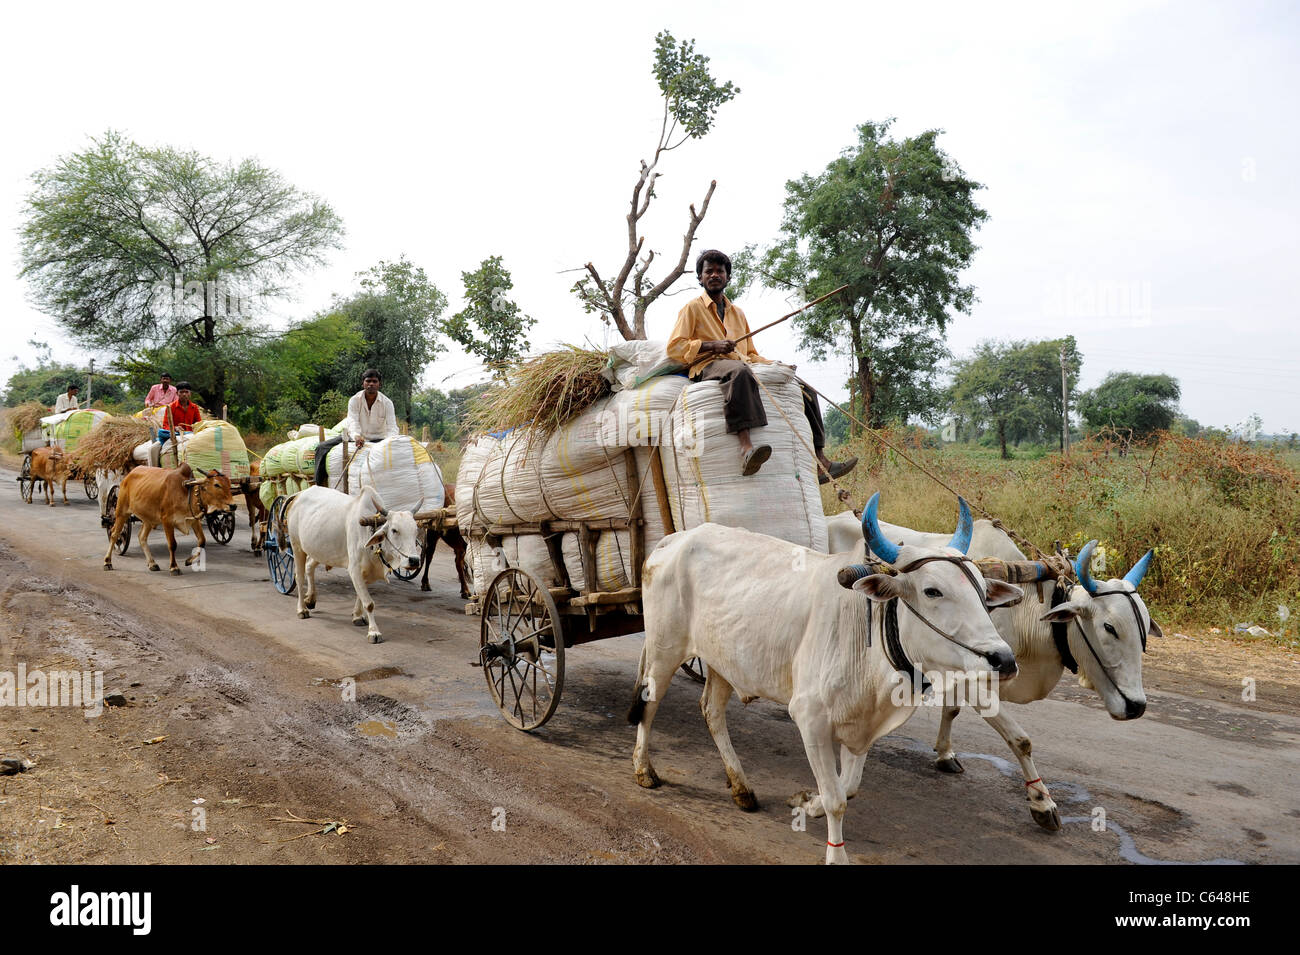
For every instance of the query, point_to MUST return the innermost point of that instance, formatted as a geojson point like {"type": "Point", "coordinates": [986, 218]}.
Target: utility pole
{"type": "Point", "coordinates": [90, 383]}
{"type": "Point", "coordinates": [1065, 408]}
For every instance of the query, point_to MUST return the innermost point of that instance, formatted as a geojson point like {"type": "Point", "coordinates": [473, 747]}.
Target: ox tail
{"type": "Point", "coordinates": [636, 711]}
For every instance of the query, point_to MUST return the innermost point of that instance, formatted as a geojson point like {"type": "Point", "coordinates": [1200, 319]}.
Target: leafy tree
{"type": "Point", "coordinates": [490, 325]}
{"type": "Point", "coordinates": [1145, 403]}
{"type": "Point", "coordinates": [398, 312]}
{"type": "Point", "coordinates": [893, 221]}
{"type": "Point", "coordinates": [131, 247]}
{"type": "Point", "coordinates": [691, 99]}
{"type": "Point", "coordinates": [1014, 388]}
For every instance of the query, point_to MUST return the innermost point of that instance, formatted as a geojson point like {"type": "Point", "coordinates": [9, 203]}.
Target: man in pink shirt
{"type": "Point", "coordinates": [162, 393]}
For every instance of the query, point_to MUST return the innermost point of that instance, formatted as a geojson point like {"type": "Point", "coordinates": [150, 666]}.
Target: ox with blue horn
{"type": "Point", "coordinates": [838, 655]}
{"type": "Point", "coordinates": [1096, 629]}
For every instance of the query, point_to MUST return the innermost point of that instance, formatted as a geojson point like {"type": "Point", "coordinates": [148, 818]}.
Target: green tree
{"type": "Point", "coordinates": [691, 97]}
{"type": "Point", "coordinates": [399, 313]}
{"type": "Point", "coordinates": [490, 325]}
{"type": "Point", "coordinates": [131, 247]}
{"type": "Point", "coordinates": [989, 391]}
{"type": "Point", "coordinates": [893, 221]}
{"type": "Point", "coordinates": [1144, 403]}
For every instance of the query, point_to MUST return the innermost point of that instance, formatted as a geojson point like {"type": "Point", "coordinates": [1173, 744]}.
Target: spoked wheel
{"type": "Point", "coordinates": [276, 547]}
{"type": "Point", "coordinates": [91, 485]}
{"type": "Point", "coordinates": [25, 481]}
{"type": "Point", "coordinates": [123, 541]}
{"type": "Point", "coordinates": [221, 524]}
{"type": "Point", "coordinates": [521, 648]}
{"type": "Point", "coordinates": [695, 669]}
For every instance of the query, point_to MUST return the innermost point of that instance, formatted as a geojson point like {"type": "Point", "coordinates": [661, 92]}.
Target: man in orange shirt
{"type": "Point", "coordinates": [704, 339]}
{"type": "Point", "coordinates": [184, 413]}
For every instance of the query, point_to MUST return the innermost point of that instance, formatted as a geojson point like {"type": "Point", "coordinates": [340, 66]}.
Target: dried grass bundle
{"type": "Point", "coordinates": [110, 443]}
{"type": "Point", "coordinates": [545, 392]}
{"type": "Point", "coordinates": [27, 416]}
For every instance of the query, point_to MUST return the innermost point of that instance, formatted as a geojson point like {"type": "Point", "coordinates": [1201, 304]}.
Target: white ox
{"type": "Point", "coordinates": [1105, 639]}
{"type": "Point", "coordinates": [788, 630]}
{"type": "Point", "coordinates": [328, 527]}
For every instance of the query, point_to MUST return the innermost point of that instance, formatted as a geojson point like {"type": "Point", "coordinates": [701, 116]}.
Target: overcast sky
{"type": "Point", "coordinates": [1140, 159]}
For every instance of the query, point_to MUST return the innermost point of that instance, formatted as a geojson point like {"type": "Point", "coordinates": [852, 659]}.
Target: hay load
{"type": "Point", "coordinates": [577, 470]}
{"type": "Point", "coordinates": [545, 392]}
{"type": "Point", "coordinates": [109, 446]}
{"type": "Point", "coordinates": [26, 416]}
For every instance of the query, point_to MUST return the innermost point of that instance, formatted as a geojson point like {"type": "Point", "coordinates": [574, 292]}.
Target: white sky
{"type": "Point", "coordinates": [1143, 150]}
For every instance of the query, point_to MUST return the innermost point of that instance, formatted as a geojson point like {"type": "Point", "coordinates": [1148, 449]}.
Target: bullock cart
{"type": "Point", "coordinates": [48, 434]}
{"type": "Point", "coordinates": [526, 626]}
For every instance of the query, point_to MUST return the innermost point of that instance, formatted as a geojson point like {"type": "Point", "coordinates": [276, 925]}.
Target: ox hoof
{"type": "Point", "coordinates": [108, 566]}
{"type": "Point", "coordinates": [154, 567]}
{"type": "Point", "coordinates": [745, 800]}
{"type": "Point", "coordinates": [310, 604]}
{"type": "Point", "coordinates": [949, 765]}
{"type": "Point", "coordinates": [1049, 819]}
{"type": "Point", "coordinates": [376, 637]}
{"type": "Point", "coordinates": [648, 779]}
{"type": "Point", "coordinates": [425, 587]}
{"type": "Point", "coordinates": [303, 614]}
{"type": "Point", "coordinates": [176, 571]}
{"type": "Point", "coordinates": [358, 621]}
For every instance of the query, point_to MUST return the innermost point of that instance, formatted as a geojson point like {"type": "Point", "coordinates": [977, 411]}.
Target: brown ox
{"type": "Point", "coordinates": [257, 514]}
{"type": "Point", "coordinates": [173, 499]}
{"type": "Point", "coordinates": [454, 540]}
{"type": "Point", "coordinates": [49, 465]}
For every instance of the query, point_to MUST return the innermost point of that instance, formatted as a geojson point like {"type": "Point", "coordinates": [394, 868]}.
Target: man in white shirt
{"type": "Point", "coordinates": [67, 401]}
{"type": "Point", "coordinates": [371, 416]}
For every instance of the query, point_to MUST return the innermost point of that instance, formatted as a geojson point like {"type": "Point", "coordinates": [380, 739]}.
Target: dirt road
{"type": "Point", "coordinates": [234, 722]}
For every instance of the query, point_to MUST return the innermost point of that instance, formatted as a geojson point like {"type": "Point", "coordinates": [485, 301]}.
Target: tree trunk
{"type": "Point", "coordinates": [866, 385]}
{"type": "Point", "coordinates": [218, 396]}
{"type": "Point", "coordinates": [1002, 437]}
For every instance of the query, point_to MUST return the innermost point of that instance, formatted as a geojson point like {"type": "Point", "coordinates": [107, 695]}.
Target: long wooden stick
{"type": "Point", "coordinates": [802, 308]}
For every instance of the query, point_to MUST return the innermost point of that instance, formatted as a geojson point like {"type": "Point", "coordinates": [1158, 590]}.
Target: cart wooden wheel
{"type": "Point", "coordinates": [91, 485]}
{"type": "Point", "coordinates": [25, 478]}
{"type": "Point", "coordinates": [123, 542]}
{"type": "Point", "coordinates": [521, 648]}
{"type": "Point", "coordinates": [695, 669]}
{"type": "Point", "coordinates": [222, 525]}
{"type": "Point", "coordinates": [278, 550]}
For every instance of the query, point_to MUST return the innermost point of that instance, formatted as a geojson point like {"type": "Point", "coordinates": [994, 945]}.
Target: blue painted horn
{"type": "Point", "coordinates": [965, 527]}
{"type": "Point", "coordinates": [1081, 569]}
{"type": "Point", "coordinates": [885, 550]}
{"type": "Point", "coordinates": [1139, 570]}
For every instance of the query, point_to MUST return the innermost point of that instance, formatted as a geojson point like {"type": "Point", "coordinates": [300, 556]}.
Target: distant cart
{"type": "Point", "coordinates": [526, 627]}
{"type": "Point", "coordinates": [42, 437]}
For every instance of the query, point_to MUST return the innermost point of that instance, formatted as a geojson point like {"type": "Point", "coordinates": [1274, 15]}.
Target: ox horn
{"type": "Point", "coordinates": [1139, 570]}
{"type": "Point", "coordinates": [965, 527]}
{"type": "Point", "coordinates": [1081, 569]}
{"type": "Point", "coordinates": [885, 550]}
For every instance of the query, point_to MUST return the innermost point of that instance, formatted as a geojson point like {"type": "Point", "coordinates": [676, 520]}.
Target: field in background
{"type": "Point", "coordinates": [1224, 518]}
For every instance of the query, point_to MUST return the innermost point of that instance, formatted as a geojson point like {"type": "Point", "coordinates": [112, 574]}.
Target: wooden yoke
{"type": "Point", "coordinates": [1025, 571]}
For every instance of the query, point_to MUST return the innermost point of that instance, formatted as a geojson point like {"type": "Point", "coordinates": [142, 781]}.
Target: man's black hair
{"type": "Point", "coordinates": [712, 255]}
{"type": "Point", "coordinates": [372, 373]}
{"type": "Point", "coordinates": [72, 385]}
{"type": "Point", "coordinates": [183, 386]}
{"type": "Point", "coordinates": [164, 375]}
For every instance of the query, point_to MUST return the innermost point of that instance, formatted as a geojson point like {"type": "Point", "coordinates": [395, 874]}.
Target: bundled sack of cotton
{"type": "Point", "coordinates": [399, 468]}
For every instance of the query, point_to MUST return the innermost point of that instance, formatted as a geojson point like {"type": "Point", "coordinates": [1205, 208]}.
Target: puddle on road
{"type": "Point", "coordinates": [374, 673]}
{"type": "Point", "coordinates": [378, 728]}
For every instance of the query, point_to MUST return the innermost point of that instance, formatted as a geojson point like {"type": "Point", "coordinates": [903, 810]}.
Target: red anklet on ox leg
{"type": "Point", "coordinates": [835, 845]}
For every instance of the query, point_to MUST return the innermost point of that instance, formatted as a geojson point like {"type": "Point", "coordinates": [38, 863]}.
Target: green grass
{"type": "Point", "coordinates": [1224, 519]}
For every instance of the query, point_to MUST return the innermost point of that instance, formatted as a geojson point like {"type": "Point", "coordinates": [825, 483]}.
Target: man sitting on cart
{"type": "Point", "coordinates": [183, 413]}
{"type": "Point", "coordinates": [67, 401]}
{"type": "Point", "coordinates": [161, 394]}
{"type": "Point", "coordinates": [704, 339]}
{"type": "Point", "coordinates": [371, 416]}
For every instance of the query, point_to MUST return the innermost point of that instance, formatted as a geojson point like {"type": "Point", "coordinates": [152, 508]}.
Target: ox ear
{"type": "Point", "coordinates": [375, 538]}
{"type": "Point", "coordinates": [1002, 594]}
{"type": "Point", "coordinates": [1062, 613]}
{"type": "Point", "coordinates": [879, 587]}
{"type": "Point", "coordinates": [1155, 629]}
